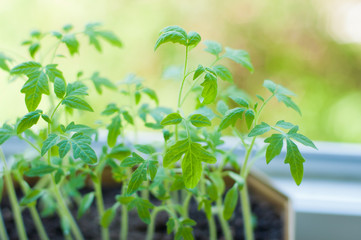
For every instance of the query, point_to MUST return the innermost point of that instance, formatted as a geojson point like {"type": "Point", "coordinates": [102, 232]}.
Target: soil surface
{"type": "Point", "coordinates": [269, 223]}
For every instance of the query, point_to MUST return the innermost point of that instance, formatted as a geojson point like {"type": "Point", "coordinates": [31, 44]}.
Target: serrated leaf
{"type": "Point", "coordinates": [192, 169]}
{"type": "Point", "coordinates": [185, 233]}
{"type": "Point", "coordinates": [171, 119]}
{"type": "Point", "coordinates": [114, 131]}
{"type": "Point", "coordinates": [4, 60]}
{"type": "Point", "coordinates": [212, 191]}
{"type": "Point", "coordinates": [77, 103]}
{"type": "Point", "coordinates": [26, 68]}
{"type": "Point", "coordinates": [110, 38]}
{"type": "Point", "coordinates": [302, 139]}
{"type": "Point", "coordinates": [5, 133]}
{"type": "Point", "coordinates": [142, 207]}
{"type": "Point", "coordinates": [76, 88]}
{"type": "Point", "coordinates": [288, 102]}
{"type": "Point", "coordinates": [81, 148]}
{"type": "Point", "coordinates": [28, 121]}
{"type": "Point", "coordinates": [202, 154]}
{"type": "Point", "coordinates": [152, 169]}
{"type": "Point", "coordinates": [138, 177]}
{"type": "Point", "coordinates": [108, 217]}
{"type": "Point", "coordinates": [199, 120]}
{"type": "Point", "coordinates": [39, 171]}
{"type": "Point", "coordinates": [59, 87]}
{"type": "Point", "coordinates": [275, 146]}
{"type": "Point", "coordinates": [259, 129]}
{"type": "Point", "coordinates": [175, 152]}
{"type": "Point", "coordinates": [213, 47]}
{"type": "Point", "coordinates": [223, 73]}
{"type": "Point", "coordinates": [147, 149]}
{"type": "Point", "coordinates": [101, 81]}
{"type": "Point", "coordinates": [71, 42]}
{"type": "Point", "coordinates": [110, 109]}
{"type": "Point", "coordinates": [230, 202]}
{"type": "Point", "coordinates": [231, 117]}
{"type": "Point", "coordinates": [170, 225]}
{"type": "Point", "coordinates": [193, 39]}
{"type": "Point", "coordinates": [172, 34]}
{"type": "Point", "coordinates": [151, 94]}
{"type": "Point", "coordinates": [31, 196]}
{"type": "Point", "coordinates": [85, 204]}
{"type": "Point", "coordinates": [49, 143]}
{"type": "Point", "coordinates": [135, 159]}
{"type": "Point", "coordinates": [200, 69]}
{"type": "Point", "coordinates": [64, 147]}
{"type": "Point", "coordinates": [239, 56]}
{"type": "Point", "coordinates": [277, 89]}
{"type": "Point", "coordinates": [209, 92]}
{"type": "Point", "coordinates": [295, 160]}
{"type": "Point", "coordinates": [285, 125]}
{"type": "Point", "coordinates": [119, 152]}
{"type": "Point", "coordinates": [249, 115]}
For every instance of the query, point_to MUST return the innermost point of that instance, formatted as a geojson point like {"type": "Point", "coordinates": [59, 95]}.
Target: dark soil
{"type": "Point", "coordinates": [268, 222]}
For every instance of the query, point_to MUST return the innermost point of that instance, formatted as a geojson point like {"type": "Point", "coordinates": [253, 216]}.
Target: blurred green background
{"type": "Point", "coordinates": [311, 47]}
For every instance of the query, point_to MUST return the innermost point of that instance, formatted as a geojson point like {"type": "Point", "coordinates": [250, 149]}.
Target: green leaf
{"type": "Point", "coordinates": [223, 73]}
{"type": "Point", "coordinates": [85, 204]}
{"type": "Point", "coordinates": [218, 181]}
{"type": "Point", "coordinates": [119, 152]}
{"type": "Point", "coordinates": [231, 117]}
{"type": "Point", "coordinates": [288, 102]}
{"type": "Point", "coordinates": [33, 49]}
{"type": "Point", "coordinates": [152, 169]}
{"type": "Point", "coordinates": [171, 119]}
{"type": "Point", "coordinates": [230, 202]}
{"type": "Point", "coordinates": [285, 125]}
{"type": "Point", "coordinates": [64, 148]}
{"type": "Point", "coordinates": [124, 199]}
{"type": "Point", "coordinates": [26, 68]}
{"type": "Point", "coordinates": [28, 121]}
{"type": "Point", "coordinates": [39, 171]}
{"type": "Point", "coordinates": [138, 177]}
{"type": "Point", "coordinates": [170, 225]}
{"type": "Point", "coordinates": [31, 196]}
{"type": "Point", "coordinates": [147, 149]}
{"type": "Point", "coordinates": [275, 146]}
{"type": "Point", "coordinates": [202, 154]}
{"type": "Point", "coordinates": [58, 175]}
{"type": "Point", "coordinates": [110, 38]}
{"type": "Point", "coordinates": [76, 88]}
{"type": "Point", "coordinates": [5, 133]}
{"type": "Point", "coordinates": [59, 87]}
{"type": "Point", "coordinates": [277, 89]}
{"type": "Point", "coordinates": [132, 161]}
{"type": "Point", "coordinates": [142, 207]}
{"type": "Point", "coordinates": [209, 92]}
{"type": "Point", "coordinates": [34, 87]}
{"type": "Point", "coordinates": [81, 148]}
{"type": "Point", "coordinates": [94, 34]}
{"type": "Point", "coordinates": [193, 39]}
{"type": "Point", "coordinates": [192, 169]}
{"type": "Point", "coordinates": [199, 120]}
{"type": "Point", "coordinates": [108, 217]}
{"type": "Point", "coordinates": [46, 118]}
{"type": "Point", "coordinates": [151, 94]}
{"type": "Point", "coordinates": [239, 56]}
{"type": "Point", "coordinates": [175, 152]}
{"type": "Point", "coordinates": [172, 34]}
{"type": "Point", "coordinates": [185, 233]}
{"type": "Point", "coordinates": [200, 69]}
{"type": "Point", "coordinates": [110, 109]}
{"type": "Point", "coordinates": [295, 159]}
{"type": "Point", "coordinates": [56, 34]}
{"type": "Point", "coordinates": [302, 139]}
{"type": "Point", "coordinates": [212, 191]}
{"type": "Point", "coordinates": [76, 102]}
{"type": "Point", "coordinates": [114, 131]}
{"type": "Point", "coordinates": [128, 117]}
{"type": "Point", "coordinates": [237, 178]}
{"type": "Point", "coordinates": [259, 129]}
{"type": "Point", "coordinates": [213, 47]}
{"type": "Point", "coordinates": [241, 101]}
{"type": "Point", "coordinates": [222, 107]}
{"type": "Point", "coordinates": [101, 81]}
{"type": "Point", "coordinates": [49, 143]}
{"type": "Point", "coordinates": [71, 42]}
{"type": "Point", "coordinates": [249, 115]}
{"type": "Point", "coordinates": [3, 62]}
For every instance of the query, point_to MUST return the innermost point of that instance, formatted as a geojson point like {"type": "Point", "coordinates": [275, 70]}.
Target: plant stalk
{"type": "Point", "coordinates": [224, 224]}
{"type": "Point", "coordinates": [100, 206]}
{"type": "Point", "coordinates": [124, 220]}
{"type": "Point", "coordinates": [246, 212]}
{"type": "Point", "coordinates": [3, 233]}
{"type": "Point", "coordinates": [13, 199]}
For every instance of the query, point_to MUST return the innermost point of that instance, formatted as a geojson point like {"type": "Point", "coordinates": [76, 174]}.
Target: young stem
{"type": "Point", "coordinates": [13, 199]}
{"type": "Point", "coordinates": [3, 233]}
{"type": "Point", "coordinates": [211, 223]}
{"type": "Point", "coordinates": [151, 226]}
{"type": "Point", "coordinates": [34, 213]}
{"type": "Point", "coordinates": [224, 224]}
{"type": "Point", "coordinates": [124, 215]}
{"type": "Point", "coordinates": [246, 213]}
{"type": "Point", "coordinates": [186, 204]}
{"type": "Point", "coordinates": [100, 204]}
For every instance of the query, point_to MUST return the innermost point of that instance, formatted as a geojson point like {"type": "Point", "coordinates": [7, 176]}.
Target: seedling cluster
{"type": "Point", "coordinates": [189, 164]}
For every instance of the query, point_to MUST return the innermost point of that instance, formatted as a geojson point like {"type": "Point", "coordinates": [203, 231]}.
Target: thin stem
{"type": "Point", "coordinates": [151, 226]}
{"type": "Point", "coordinates": [13, 200]}
{"type": "Point", "coordinates": [224, 224]}
{"type": "Point", "coordinates": [30, 143]}
{"type": "Point", "coordinates": [246, 212]}
{"type": "Point", "coordinates": [186, 204]}
{"type": "Point", "coordinates": [124, 215]}
{"type": "Point", "coordinates": [3, 233]}
{"type": "Point", "coordinates": [100, 205]}
{"type": "Point", "coordinates": [212, 228]}
{"type": "Point", "coordinates": [34, 213]}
